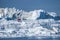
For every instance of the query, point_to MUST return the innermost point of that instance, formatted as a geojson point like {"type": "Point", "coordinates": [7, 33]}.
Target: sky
{"type": "Point", "coordinates": [29, 5]}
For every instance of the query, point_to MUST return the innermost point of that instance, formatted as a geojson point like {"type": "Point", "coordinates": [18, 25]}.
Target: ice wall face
{"type": "Point", "coordinates": [7, 12]}
{"type": "Point", "coordinates": [19, 23]}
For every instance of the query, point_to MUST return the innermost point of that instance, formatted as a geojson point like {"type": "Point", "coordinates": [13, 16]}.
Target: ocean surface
{"type": "Point", "coordinates": [32, 38]}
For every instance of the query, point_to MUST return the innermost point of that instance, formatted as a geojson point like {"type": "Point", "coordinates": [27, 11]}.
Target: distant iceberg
{"type": "Point", "coordinates": [36, 23]}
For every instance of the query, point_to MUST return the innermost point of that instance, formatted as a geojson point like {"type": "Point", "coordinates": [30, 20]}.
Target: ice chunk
{"type": "Point", "coordinates": [52, 14]}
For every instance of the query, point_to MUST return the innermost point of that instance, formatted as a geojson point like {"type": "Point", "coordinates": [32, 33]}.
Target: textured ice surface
{"type": "Point", "coordinates": [26, 24]}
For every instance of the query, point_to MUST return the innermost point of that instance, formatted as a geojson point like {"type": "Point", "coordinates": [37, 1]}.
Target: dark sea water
{"type": "Point", "coordinates": [26, 38]}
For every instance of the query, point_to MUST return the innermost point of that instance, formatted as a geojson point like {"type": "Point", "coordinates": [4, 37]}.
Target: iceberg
{"type": "Point", "coordinates": [28, 24]}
